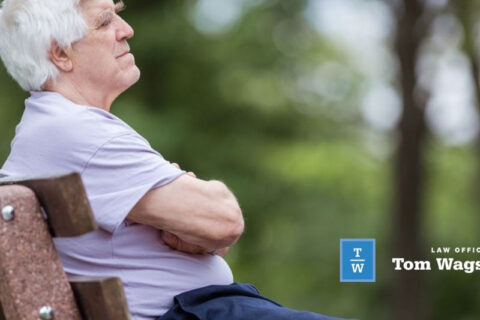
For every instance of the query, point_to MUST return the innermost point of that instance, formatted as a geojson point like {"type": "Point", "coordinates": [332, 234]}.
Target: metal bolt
{"type": "Point", "coordinates": [46, 313]}
{"type": "Point", "coordinates": [8, 213]}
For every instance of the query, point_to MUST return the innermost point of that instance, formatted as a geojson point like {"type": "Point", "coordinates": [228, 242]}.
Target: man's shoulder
{"type": "Point", "coordinates": [61, 136]}
{"type": "Point", "coordinates": [66, 137]}
{"type": "Point", "coordinates": [85, 126]}
{"type": "Point", "coordinates": [95, 121]}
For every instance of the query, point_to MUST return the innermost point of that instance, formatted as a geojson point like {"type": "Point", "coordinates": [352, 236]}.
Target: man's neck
{"type": "Point", "coordinates": [81, 95]}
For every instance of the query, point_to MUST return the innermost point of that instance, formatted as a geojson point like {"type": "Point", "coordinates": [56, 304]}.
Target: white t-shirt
{"type": "Point", "coordinates": [117, 166]}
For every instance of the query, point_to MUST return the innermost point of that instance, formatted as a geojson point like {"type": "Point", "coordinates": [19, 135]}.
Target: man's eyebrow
{"type": "Point", "coordinates": [119, 6]}
{"type": "Point", "coordinates": [107, 12]}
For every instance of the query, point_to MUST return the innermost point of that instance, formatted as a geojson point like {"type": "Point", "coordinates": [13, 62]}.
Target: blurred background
{"type": "Point", "coordinates": [328, 119]}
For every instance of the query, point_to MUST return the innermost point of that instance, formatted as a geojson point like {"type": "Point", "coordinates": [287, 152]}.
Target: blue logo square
{"type": "Point", "coordinates": [357, 260]}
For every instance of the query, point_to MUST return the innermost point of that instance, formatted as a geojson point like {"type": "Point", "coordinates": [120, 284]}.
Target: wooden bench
{"type": "Point", "coordinates": [33, 284]}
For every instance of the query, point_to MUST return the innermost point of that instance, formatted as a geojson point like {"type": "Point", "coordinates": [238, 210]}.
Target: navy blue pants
{"type": "Point", "coordinates": [236, 301]}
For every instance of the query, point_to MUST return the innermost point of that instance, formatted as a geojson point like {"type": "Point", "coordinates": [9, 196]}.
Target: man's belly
{"type": "Point", "coordinates": [151, 272]}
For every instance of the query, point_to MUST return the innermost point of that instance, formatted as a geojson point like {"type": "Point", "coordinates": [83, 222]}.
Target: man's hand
{"type": "Point", "coordinates": [176, 243]}
{"type": "Point", "coordinates": [190, 173]}
{"type": "Point", "coordinates": [222, 252]}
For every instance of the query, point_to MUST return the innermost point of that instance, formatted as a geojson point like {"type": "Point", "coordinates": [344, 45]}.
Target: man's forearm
{"type": "Point", "coordinates": [226, 234]}
{"type": "Point", "coordinates": [203, 213]}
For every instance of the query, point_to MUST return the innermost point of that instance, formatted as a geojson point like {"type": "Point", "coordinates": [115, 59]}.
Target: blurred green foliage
{"type": "Point", "coordinates": [229, 106]}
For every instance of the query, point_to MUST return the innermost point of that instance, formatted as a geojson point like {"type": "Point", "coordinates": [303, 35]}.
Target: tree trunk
{"type": "Point", "coordinates": [409, 290]}
{"type": "Point", "coordinates": [466, 14]}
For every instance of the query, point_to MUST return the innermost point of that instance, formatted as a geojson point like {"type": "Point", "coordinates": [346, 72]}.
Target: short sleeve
{"type": "Point", "coordinates": [120, 173]}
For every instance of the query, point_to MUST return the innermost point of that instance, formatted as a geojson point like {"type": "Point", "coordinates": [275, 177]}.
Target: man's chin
{"type": "Point", "coordinates": [133, 78]}
{"type": "Point", "coordinates": [137, 75]}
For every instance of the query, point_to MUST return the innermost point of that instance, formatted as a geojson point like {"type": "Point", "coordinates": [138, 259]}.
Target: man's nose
{"type": "Point", "coordinates": [125, 31]}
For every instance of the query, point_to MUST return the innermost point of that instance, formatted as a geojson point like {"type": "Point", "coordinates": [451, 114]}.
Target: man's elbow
{"type": "Point", "coordinates": [232, 230]}
{"type": "Point", "coordinates": [237, 225]}
{"type": "Point", "coordinates": [233, 223]}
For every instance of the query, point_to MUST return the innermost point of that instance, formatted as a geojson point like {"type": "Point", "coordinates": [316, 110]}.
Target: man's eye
{"type": "Point", "coordinates": [105, 23]}
{"type": "Point", "coordinates": [105, 20]}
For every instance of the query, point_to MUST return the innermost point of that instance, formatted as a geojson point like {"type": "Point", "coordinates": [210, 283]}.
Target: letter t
{"type": "Point", "coordinates": [357, 252]}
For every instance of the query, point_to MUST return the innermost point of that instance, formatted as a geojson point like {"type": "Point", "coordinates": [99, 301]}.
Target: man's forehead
{"type": "Point", "coordinates": [88, 5]}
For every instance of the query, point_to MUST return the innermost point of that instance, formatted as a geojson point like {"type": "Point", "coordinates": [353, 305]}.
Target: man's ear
{"type": "Point", "coordinates": [60, 57]}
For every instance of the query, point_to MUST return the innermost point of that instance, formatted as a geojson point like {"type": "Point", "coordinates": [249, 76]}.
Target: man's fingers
{"type": "Point", "coordinates": [178, 244]}
{"type": "Point", "coordinates": [223, 252]}
{"type": "Point", "coordinates": [190, 173]}
{"type": "Point", "coordinates": [170, 239]}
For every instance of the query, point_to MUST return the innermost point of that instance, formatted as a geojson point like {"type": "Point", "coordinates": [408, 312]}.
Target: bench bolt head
{"type": "Point", "coordinates": [8, 213]}
{"type": "Point", "coordinates": [46, 313]}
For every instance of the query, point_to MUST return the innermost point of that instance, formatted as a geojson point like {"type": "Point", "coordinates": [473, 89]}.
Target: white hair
{"type": "Point", "coordinates": [27, 30]}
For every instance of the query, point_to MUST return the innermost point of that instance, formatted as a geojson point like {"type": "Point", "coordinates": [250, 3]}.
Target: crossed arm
{"type": "Point", "coordinates": [195, 216]}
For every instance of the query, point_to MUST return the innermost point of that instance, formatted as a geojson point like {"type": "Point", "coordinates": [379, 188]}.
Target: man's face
{"type": "Point", "coordinates": [102, 58]}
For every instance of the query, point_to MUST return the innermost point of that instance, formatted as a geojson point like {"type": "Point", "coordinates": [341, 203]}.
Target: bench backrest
{"type": "Point", "coordinates": [33, 284]}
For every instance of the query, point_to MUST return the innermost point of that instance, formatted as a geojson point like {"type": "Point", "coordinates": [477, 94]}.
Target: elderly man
{"type": "Point", "coordinates": [162, 230]}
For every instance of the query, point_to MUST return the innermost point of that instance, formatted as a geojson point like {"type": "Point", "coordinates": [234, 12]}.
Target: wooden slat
{"type": "Point", "coordinates": [31, 274]}
{"type": "Point", "coordinates": [2, 316]}
{"type": "Point", "coordinates": [100, 299]}
{"type": "Point", "coordinates": [64, 200]}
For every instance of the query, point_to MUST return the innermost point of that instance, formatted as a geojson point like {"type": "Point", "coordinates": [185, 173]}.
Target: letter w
{"type": "Point", "coordinates": [357, 267]}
